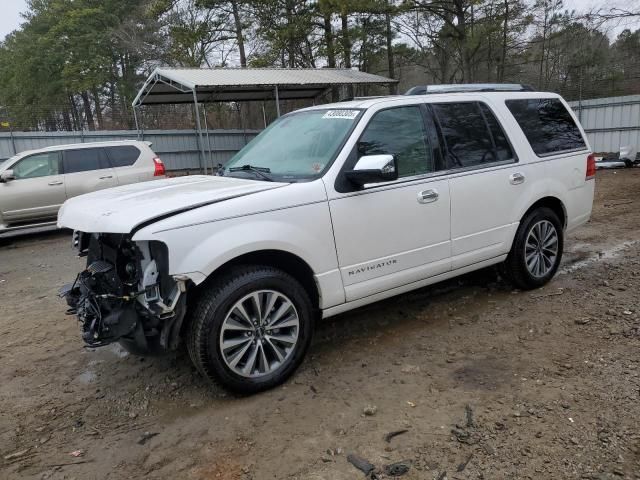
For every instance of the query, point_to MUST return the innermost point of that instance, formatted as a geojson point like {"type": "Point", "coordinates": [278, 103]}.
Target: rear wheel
{"type": "Point", "coordinates": [536, 251]}
{"type": "Point", "coordinates": [251, 329]}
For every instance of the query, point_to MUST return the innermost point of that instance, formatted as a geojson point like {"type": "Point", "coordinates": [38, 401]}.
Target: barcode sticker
{"type": "Point", "coordinates": [341, 114]}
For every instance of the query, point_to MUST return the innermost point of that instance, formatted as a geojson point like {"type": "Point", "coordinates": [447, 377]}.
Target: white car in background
{"type": "Point", "coordinates": [34, 184]}
{"type": "Point", "coordinates": [330, 208]}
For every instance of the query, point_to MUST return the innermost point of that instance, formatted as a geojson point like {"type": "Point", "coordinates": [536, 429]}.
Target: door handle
{"type": "Point", "coordinates": [516, 178]}
{"type": "Point", "coordinates": [106, 177]}
{"type": "Point", "coordinates": [53, 184]}
{"type": "Point", "coordinates": [428, 196]}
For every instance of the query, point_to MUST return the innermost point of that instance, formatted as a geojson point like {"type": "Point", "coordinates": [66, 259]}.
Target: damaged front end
{"type": "Point", "coordinates": [126, 294]}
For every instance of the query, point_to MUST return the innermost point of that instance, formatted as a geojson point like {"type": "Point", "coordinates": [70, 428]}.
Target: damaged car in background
{"type": "Point", "coordinates": [330, 208]}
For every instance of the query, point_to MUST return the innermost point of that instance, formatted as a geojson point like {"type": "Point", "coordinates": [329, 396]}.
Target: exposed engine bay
{"type": "Point", "coordinates": [126, 294]}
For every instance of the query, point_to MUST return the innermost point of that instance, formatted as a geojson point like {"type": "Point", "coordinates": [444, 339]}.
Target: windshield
{"type": "Point", "coordinates": [297, 146]}
{"type": "Point", "coordinates": [7, 160]}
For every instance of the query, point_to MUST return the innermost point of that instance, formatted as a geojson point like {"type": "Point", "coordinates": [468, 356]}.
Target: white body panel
{"type": "Point", "coordinates": [121, 209]}
{"type": "Point", "coordinates": [422, 250]}
{"type": "Point", "coordinates": [362, 246]}
{"type": "Point", "coordinates": [293, 218]}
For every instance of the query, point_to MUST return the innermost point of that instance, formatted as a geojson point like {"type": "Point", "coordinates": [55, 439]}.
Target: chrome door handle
{"type": "Point", "coordinates": [53, 184]}
{"type": "Point", "coordinates": [516, 178]}
{"type": "Point", "coordinates": [428, 196]}
{"type": "Point", "coordinates": [106, 177]}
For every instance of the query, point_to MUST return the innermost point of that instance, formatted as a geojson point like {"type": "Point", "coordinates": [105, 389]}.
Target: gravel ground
{"type": "Point", "coordinates": [487, 381]}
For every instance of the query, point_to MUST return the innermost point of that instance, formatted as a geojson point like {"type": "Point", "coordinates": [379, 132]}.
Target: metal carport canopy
{"type": "Point", "coordinates": [203, 85]}
{"type": "Point", "coordinates": [181, 85]}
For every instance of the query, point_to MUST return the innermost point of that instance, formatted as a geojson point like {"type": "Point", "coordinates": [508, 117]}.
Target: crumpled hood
{"type": "Point", "coordinates": [121, 209]}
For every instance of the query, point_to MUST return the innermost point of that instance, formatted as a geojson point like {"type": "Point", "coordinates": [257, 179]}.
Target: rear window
{"type": "Point", "coordinates": [123, 156]}
{"type": "Point", "coordinates": [84, 160]}
{"type": "Point", "coordinates": [498, 137]}
{"type": "Point", "coordinates": [547, 125]}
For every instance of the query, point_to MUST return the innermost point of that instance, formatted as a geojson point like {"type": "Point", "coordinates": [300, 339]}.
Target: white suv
{"type": "Point", "coordinates": [330, 208]}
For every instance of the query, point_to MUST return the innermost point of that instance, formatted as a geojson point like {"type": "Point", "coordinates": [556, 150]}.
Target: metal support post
{"type": "Point", "coordinates": [135, 118]}
{"type": "Point", "coordinates": [206, 129]}
{"type": "Point", "coordinates": [199, 138]}
{"type": "Point", "coordinates": [277, 102]}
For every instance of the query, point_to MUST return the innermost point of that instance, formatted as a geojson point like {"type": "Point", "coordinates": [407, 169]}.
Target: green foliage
{"type": "Point", "coordinates": [79, 63]}
{"type": "Point", "coordinates": [71, 55]}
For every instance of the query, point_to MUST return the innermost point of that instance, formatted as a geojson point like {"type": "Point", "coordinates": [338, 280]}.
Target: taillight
{"type": "Point", "coordinates": [591, 167]}
{"type": "Point", "coordinates": [159, 167]}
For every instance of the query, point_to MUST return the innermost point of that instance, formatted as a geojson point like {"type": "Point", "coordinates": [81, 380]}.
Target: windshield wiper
{"type": "Point", "coordinates": [261, 171]}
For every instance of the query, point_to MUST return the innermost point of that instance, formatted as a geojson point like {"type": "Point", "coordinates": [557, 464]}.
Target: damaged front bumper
{"type": "Point", "coordinates": [126, 294]}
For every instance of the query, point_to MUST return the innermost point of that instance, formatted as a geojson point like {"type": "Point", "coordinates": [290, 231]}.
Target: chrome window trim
{"type": "Point", "coordinates": [561, 152]}
{"type": "Point", "coordinates": [428, 177]}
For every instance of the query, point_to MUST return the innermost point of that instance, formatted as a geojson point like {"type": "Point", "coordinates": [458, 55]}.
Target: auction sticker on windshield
{"type": "Point", "coordinates": [342, 114]}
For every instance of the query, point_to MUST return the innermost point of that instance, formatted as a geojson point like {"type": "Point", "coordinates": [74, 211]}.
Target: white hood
{"type": "Point", "coordinates": [121, 209]}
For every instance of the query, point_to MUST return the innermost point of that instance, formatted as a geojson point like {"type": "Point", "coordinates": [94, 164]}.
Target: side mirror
{"type": "Point", "coordinates": [7, 176]}
{"type": "Point", "coordinates": [373, 169]}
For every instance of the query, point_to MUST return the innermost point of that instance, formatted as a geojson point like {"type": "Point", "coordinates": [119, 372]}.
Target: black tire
{"type": "Point", "coordinates": [515, 266]}
{"type": "Point", "coordinates": [216, 300]}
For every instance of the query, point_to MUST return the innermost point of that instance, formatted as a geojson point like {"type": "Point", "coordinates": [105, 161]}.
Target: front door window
{"type": "Point", "coordinates": [401, 132]}
{"type": "Point", "coordinates": [38, 165]}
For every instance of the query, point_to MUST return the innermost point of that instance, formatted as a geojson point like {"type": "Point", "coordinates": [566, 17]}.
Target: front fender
{"type": "Point", "coordinates": [199, 250]}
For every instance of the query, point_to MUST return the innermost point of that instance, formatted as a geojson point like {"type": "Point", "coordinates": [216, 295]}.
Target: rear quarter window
{"type": "Point", "coordinates": [123, 156]}
{"type": "Point", "coordinates": [547, 124]}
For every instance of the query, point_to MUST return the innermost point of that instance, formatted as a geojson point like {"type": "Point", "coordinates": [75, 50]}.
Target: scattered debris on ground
{"type": "Point", "coordinates": [395, 433]}
{"type": "Point", "coordinates": [361, 464]}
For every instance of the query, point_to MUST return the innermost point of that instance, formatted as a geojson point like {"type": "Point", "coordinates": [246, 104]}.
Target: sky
{"type": "Point", "coordinates": [10, 13]}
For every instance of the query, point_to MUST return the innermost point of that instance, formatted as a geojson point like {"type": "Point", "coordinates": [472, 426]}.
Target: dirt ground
{"type": "Point", "coordinates": [488, 382]}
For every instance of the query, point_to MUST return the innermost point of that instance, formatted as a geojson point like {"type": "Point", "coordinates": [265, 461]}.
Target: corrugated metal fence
{"type": "Point", "coordinates": [177, 148]}
{"type": "Point", "coordinates": [610, 123]}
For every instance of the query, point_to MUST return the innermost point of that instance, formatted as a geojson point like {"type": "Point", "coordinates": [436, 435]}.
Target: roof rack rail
{"type": "Point", "coordinates": [349, 99]}
{"type": "Point", "coordinates": [469, 87]}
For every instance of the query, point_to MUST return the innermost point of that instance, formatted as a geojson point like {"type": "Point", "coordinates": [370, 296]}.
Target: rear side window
{"type": "Point", "coordinates": [547, 125]}
{"type": "Point", "coordinates": [498, 137]}
{"type": "Point", "coordinates": [124, 156]}
{"type": "Point", "coordinates": [472, 134]}
{"type": "Point", "coordinates": [84, 160]}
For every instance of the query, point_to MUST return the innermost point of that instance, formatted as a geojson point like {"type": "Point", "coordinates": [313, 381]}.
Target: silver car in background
{"type": "Point", "coordinates": [34, 184]}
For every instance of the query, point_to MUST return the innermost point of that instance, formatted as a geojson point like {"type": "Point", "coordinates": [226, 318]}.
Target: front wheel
{"type": "Point", "coordinates": [251, 329]}
{"type": "Point", "coordinates": [536, 251]}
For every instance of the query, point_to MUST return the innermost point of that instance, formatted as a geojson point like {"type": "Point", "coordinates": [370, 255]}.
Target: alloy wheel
{"type": "Point", "coordinates": [259, 333]}
{"type": "Point", "coordinates": [541, 248]}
